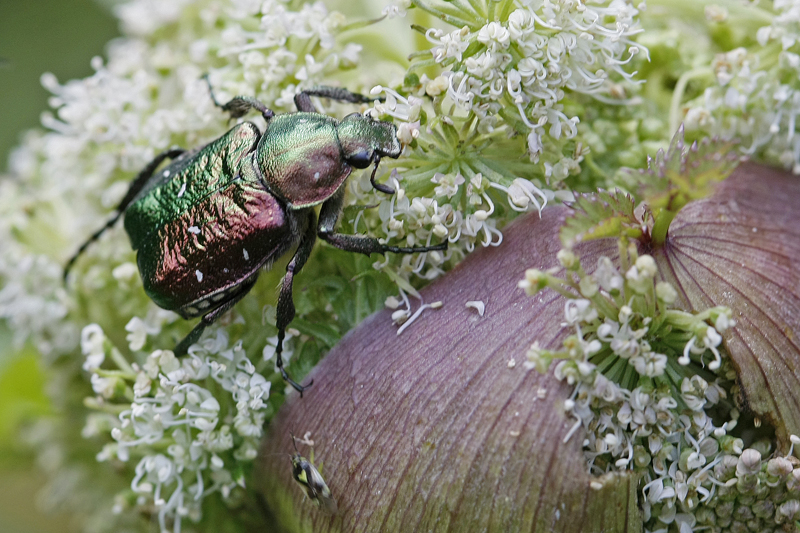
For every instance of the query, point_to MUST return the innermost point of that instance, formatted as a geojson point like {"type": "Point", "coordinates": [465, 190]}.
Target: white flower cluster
{"type": "Point", "coordinates": [33, 300]}
{"type": "Point", "coordinates": [626, 334]}
{"type": "Point", "coordinates": [756, 97]}
{"type": "Point", "coordinates": [425, 220]}
{"type": "Point", "coordinates": [696, 474]}
{"type": "Point", "coordinates": [543, 50]}
{"type": "Point", "coordinates": [512, 74]}
{"type": "Point", "coordinates": [190, 440]}
{"type": "Point", "coordinates": [642, 408]}
{"type": "Point", "coordinates": [280, 52]}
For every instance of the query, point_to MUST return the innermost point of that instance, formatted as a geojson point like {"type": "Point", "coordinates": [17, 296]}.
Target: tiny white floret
{"type": "Point", "coordinates": [478, 305]}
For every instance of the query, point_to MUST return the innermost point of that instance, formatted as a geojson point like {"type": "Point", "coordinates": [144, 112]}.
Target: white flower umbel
{"type": "Point", "coordinates": [749, 90]}
{"type": "Point", "coordinates": [560, 47]}
{"type": "Point", "coordinates": [191, 425]}
{"type": "Point", "coordinates": [647, 380]}
{"type": "Point", "coordinates": [491, 135]}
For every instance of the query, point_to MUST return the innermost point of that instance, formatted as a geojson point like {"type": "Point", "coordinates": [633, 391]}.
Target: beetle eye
{"type": "Point", "coordinates": [361, 159]}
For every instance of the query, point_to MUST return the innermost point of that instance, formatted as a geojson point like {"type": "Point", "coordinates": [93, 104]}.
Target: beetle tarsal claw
{"type": "Point", "coordinates": [299, 388]}
{"type": "Point", "coordinates": [379, 186]}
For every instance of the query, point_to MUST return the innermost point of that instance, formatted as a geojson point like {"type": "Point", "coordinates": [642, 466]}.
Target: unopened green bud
{"type": "Point", "coordinates": [535, 280]}
{"type": "Point", "coordinates": [666, 293]}
{"type": "Point", "coordinates": [568, 259]}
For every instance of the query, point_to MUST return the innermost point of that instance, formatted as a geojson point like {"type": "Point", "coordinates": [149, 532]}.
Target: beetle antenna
{"type": "Point", "coordinates": [383, 188]}
{"type": "Point", "coordinates": [277, 453]}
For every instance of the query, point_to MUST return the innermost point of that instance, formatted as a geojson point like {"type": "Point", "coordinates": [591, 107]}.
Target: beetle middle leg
{"type": "Point", "coordinates": [286, 311]}
{"type": "Point", "coordinates": [329, 214]}
{"type": "Point", "coordinates": [209, 318]}
{"type": "Point", "coordinates": [139, 182]}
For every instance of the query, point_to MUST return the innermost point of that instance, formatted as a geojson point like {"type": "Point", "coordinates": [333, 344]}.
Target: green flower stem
{"type": "Point", "coordinates": [605, 306]}
{"type": "Point", "coordinates": [122, 363]}
{"type": "Point", "coordinates": [675, 114]}
{"type": "Point", "coordinates": [91, 402]}
{"type": "Point", "coordinates": [451, 134]}
{"type": "Point", "coordinates": [558, 285]}
{"type": "Point", "coordinates": [510, 116]}
{"type": "Point", "coordinates": [695, 9]}
{"type": "Point", "coordinates": [501, 9]}
{"type": "Point", "coordinates": [359, 24]}
{"type": "Point", "coordinates": [661, 226]}
{"type": "Point", "coordinates": [447, 17]}
{"type": "Point", "coordinates": [473, 8]}
{"type": "Point", "coordinates": [420, 65]}
{"type": "Point", "coordinates": [496, 177]}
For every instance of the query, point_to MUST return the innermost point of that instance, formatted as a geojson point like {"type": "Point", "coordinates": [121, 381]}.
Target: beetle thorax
{"type": "Point", "coordinates": [300, 160]}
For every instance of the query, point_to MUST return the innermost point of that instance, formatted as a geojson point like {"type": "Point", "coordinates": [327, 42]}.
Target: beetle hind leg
{"type": "Point", "coordinates": [138, 183]}
{"type": "Point", "coordinates": [183, 347]}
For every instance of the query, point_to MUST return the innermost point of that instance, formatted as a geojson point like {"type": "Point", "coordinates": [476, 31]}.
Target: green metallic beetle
{"type": "Point", "coordinates": [206, 224]}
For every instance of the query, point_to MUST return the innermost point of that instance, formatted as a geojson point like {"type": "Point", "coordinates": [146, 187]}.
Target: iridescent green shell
{"type": "Point", "coordinates": [206, 225]}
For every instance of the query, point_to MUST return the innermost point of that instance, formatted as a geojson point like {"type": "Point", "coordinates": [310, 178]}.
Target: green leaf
{"type": "Point", "coordinates": [323, 332]}
{"type": "Point", "coordinates": [687, 172]}
{"type": "Point", "coordinates": [603, 214]}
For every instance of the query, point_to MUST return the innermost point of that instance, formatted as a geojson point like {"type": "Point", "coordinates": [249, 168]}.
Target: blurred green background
{"type": "Point", "coordinates": [36, 36]}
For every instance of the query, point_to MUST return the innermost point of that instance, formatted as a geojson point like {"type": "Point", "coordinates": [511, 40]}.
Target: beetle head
{"type": "Point", "coordinates": [363, 140]}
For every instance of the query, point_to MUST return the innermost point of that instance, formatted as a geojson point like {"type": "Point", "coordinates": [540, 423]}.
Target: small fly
{"type": "Point", "coordinates": [307, 475]}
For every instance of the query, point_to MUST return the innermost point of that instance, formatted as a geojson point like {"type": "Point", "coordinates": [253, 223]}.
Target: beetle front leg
{"type": "Point", "coordinates": [329, 214]}
{"type": "Point", "coordinates": [135, 188]}
{"type": "Point", "coordinates": [286, 311]}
